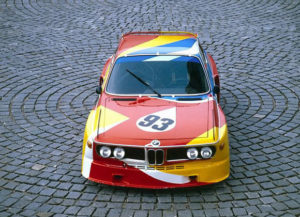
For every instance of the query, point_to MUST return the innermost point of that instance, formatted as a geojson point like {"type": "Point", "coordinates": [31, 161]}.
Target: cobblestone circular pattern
{"type": "Point", "coordinates": [51, 54]}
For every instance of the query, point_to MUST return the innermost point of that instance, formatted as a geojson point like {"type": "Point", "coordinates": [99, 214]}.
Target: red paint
{"type": "Point", "coordinates": [130, 41]}
{"type": "Point", "coordinates": [105, 67]}
{"type": "Point", "coordinates": [192, 120]}
{"type": "Point", "coordinates": [131, 177]}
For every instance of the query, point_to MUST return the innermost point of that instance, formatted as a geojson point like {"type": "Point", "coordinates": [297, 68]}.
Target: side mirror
{"type": "Point", "coordinates": [99, 90]}
{"type": "Point", "coordinates": [216, 89]}
{"type": "Point", "coordinates": [217, 80]}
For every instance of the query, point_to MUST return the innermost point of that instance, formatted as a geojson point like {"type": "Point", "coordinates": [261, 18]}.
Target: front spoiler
{"type": "Point", "coordinates": [129, 176]}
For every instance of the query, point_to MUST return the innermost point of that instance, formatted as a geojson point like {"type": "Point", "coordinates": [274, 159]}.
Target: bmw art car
{"type": "Point", "coordinates": [157, 122]}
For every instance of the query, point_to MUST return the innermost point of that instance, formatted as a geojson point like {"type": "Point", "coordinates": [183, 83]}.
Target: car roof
{"type": "Point", "coordinates": [158, 43]}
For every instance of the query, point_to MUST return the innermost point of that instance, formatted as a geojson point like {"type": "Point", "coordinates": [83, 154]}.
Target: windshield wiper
{"type": "Point", "coordinates": [144, 82]}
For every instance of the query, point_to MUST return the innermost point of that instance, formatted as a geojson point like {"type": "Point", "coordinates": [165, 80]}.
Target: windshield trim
{"type": "Point", "coordinates": [153, 94]}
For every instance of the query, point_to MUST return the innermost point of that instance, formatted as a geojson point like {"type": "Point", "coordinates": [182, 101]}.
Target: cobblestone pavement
{"type": "Point", "coordinates": [51, 54]}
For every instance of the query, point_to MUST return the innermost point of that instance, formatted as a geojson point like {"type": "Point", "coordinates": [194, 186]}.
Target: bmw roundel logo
{"type": "Point", "coordinates": [155, 143]}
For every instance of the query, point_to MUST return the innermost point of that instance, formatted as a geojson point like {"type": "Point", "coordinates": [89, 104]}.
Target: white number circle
{"type": "Point", "coordinates": [159, 121]}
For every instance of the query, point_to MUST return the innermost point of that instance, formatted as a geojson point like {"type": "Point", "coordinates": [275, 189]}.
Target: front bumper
{"type": "Point", "coordinates": [188, 174]}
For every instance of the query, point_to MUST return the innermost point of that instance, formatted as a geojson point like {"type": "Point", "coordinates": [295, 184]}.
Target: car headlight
{"type": "Point", "coordinates": [192, 153]}
{"type": "Point", "coordinates": [206, 152]}
{"type": "Point", "coordinates": [119, 153]}
{"type": "Point", "coordinates": [105, 152]}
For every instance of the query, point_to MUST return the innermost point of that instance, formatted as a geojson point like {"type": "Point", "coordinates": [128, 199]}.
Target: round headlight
{"type": "Point", "coordinates": [119, 153]}
{"type": "Point", "coordinates": [206, 152]}
{"type": "Point", "coordinates": [105, 151]}
{"type": "Point", "coordinates": [192, 153]}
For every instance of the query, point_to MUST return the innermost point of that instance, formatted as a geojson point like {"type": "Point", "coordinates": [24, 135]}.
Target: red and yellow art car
{"type": "Point", "coordinates": [157, 122]}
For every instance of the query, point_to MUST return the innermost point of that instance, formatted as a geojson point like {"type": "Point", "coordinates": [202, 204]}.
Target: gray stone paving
{"type": "Point", "coordinates": [51, 54]}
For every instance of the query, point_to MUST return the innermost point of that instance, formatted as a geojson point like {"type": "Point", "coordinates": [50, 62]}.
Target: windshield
{"type": "Point", "coordinates": [164, 74]}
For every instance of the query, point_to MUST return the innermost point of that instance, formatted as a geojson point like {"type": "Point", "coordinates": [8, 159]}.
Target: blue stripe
{"type": "Point", "coordinates": [133, 59]}
{"type": "Point", "coordinates": [168, 48]}
{"type": "Point", "coordinates": [144, 58]}
{"type": "Point", "coordinates": [203, 97]}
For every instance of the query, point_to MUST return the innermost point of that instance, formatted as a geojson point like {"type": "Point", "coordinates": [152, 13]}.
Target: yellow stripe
{"type": "Point", "coordinates": [110, 117]}
{"type": "Point", "coordinates": [88, 130]}
{"type": "Point", "coordinates": [207, 137]}
{"type": "Point", "coordinates": [160, 40]}
{"type": "Point", "coordinates": [107, 119]}
{"type": "Point", "coordinates": [206, 170]}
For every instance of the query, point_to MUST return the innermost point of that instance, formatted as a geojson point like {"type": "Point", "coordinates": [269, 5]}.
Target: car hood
{"type": "Point", "coordinates": [138, 121]}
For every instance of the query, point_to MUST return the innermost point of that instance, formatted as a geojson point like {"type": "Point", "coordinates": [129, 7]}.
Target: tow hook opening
{"type": "Point", "coordinates": [117, 177]}
{"type": "Point", "coordinates": [193, 178]}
